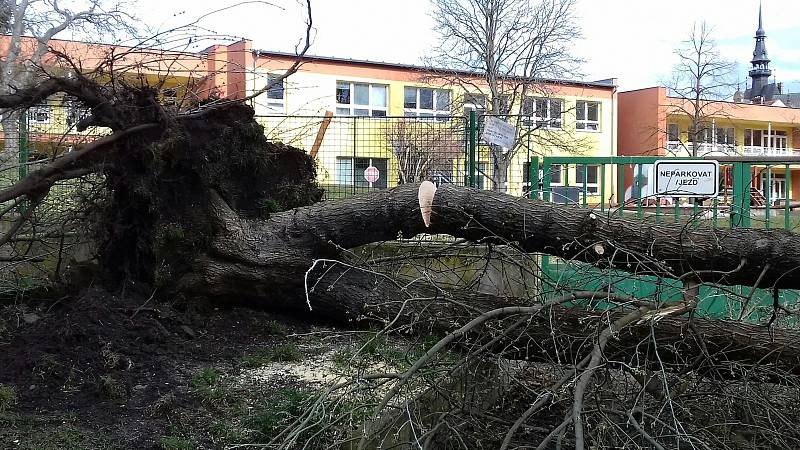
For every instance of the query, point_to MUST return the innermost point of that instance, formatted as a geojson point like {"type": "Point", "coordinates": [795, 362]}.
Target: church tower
{"type": "Point", "coordinates": [760, 71]}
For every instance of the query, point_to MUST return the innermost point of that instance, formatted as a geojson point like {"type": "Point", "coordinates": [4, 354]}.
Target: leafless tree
{"type": "Point", "coordinates": [53, 220]}
{"type": "Point", "coordinates": [425, 150]}
{"type": "Point", "coordinates": [506, 50]}
{"type": "Point", "coordinates": [701, 80]}
{"type": "Point", "coordinates": [29, 27]}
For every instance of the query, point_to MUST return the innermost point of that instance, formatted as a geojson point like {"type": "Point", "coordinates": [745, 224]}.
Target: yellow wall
{"type": "Point", "coordinates": [312, 94]}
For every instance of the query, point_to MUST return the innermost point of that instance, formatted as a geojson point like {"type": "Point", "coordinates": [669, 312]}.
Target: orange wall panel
{"type": "Point", "coordinates": [642, 122]}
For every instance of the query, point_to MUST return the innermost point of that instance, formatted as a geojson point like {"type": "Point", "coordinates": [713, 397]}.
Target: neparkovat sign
{"type": "Point", "coordinates": [686, 178]}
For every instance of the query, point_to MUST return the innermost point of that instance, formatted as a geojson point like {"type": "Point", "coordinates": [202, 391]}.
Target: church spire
{"type": "Point", "coordinates": [760, 31]}
{"type": "Point", "coordinates": [760, 71]}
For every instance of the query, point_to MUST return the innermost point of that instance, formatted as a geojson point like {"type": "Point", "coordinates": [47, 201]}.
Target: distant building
{"type": "Point", "coordinates": [761, 90]}
{"type": "Point", "coordinates": [352, 114]}
{"type": "Point", "coordinates": [762, 121]}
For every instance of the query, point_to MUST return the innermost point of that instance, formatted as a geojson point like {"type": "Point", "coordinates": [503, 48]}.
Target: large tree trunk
{"type": "Point", "coordinates": [193, 209]}
{"type": "Point", "coordinates": [288, 243]}
{"type": "Point", "coordinates": [270, 261]}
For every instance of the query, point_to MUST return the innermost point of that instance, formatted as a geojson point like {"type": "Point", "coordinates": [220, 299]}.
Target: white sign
{"type": "Point", "coordinates": [496, 131]}
{"type": "Point", "coordinates": [372, 174]}
{"type": "Point", "coordinates": [686, 178]}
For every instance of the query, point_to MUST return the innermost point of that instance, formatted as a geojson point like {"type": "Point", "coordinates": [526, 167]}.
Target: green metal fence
{"type": "Point", "coordinates": [442, 149]}
{"type": "Point", "coordinates": [754, 192]}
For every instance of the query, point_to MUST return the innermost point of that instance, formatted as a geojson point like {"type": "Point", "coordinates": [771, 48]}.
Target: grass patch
{"type": "Point", "coordinates": [277, 412]}
{"type": "Point", "coordinates": [275, 327]}
{"type": "Point", "coordinates": [212, 390]}
{"type": "Point", "coordinates": [28, 435]}
{"type": "Point", "coordinates": [8, 397]}
{"type": "Point", "coordinates": [176, 443]}
{"type": "Point", "coordinates": [113, 389]}
{"type": "Point", "coordinates": [374, 348]}
{"type": "Point", "coordinates": [279, 353]}
{"type": "Point", "coordinates": [225, 433]}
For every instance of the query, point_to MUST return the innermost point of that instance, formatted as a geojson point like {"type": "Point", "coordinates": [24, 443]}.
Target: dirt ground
{"type": "Point", "coordinates": [98, 371]}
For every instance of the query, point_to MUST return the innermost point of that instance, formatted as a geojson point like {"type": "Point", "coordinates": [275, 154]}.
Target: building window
{"type": "Point", "coordinates": [443, 173]}
{"type": "Point", "coordinates": [542, 112]}
{"type": "Point", "coordinates": [777, 189]}
{"type": "Point", "coordinates": [276, 94]}
{"type": "Point", "coordinates": [75, 111]}
{"type": "Point", "coordinates": [725, 136]}
{"type": "Point", "coordinates": [427, 103]}
{"type": "Point", "coordinates": [673, 132]}
{"type": "Point", "coordinates": [587, 115]}
{"type": "Point", "coordinates": [702, 135]}
{"type": "Point", "coordinates": [504, 104]}
{"type": "Point", "coordinates": [481, 175]}
{"type": "Point", "coordinates": [526, 178]}
{"type": "Point", "coordinates": [591, 174]}
{"type": "Point", "coordinates": [39, 114]}
{"type": "Point", "coordinates": [360, 99]}
{"type": "Point", "coordinates": [474, 102]}
{"type": "Point", "coordinates": [350, 172]}
{"type": "Point", "coordinates": [556, 175]}
{"type": "Point", "coordinates": [763, 138]}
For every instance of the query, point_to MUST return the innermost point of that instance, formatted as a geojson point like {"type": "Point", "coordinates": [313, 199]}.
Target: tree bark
{"type": "Point", "coordinates": [270, 262]}
{"type": "Point", "coordinates": [294, 239]}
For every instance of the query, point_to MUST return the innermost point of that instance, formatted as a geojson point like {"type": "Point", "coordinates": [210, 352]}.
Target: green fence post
{"type": "Point", "coordinates": [355, 154]}
{"type": "Point", "coordinates": [787, 214]}
{"type": "Point", "coordinates": [585, 181]}
{"type": "Point", "coordinates": [715, 204]}
{"type": "Point", "coordinates": [740, 209]}
{"type": "Point", "coordinates": [546, 180]}
{"type": "Point", "coordinates": [768, 196]}
{"type": "Point", "coordinates": [621, 187]}
{"type": "Point", "coordinates": [473, 145]}
{"type": "Point", "coordinates": [638, 183]}
{"type": "Point", "coordinates": [603, 187]}
{"type": "Point", "coordinates": [533, 177]}
{"type": "Point", "coordinates": [24, 153]}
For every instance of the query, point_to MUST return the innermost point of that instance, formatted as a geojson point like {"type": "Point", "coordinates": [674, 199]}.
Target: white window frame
{"type": "Point", "coordinates": [354, 179]}
{"type": "Point", "coordinates": [586, 124]}
{"type": "Point", "coordinates": [471, 105]}
{"type": "Point", "coordinates": [563, 170]}
{"type": "Point", "coordinates": [777, 186]}
{"type": "Point", "coordinates": [274, 104]}
{"type": "Point", "coordinates": [437, 114]}
{"type": "Point", "coordinates": [483, 179]}
{"type": "Point", "coordinates": [775, 143]}
{"type": "Point", "coordinates": [592, 188]}
{"type": "Point", "coordinates": [533, 117]}
{"type": "Point", "coordinates": [726, 132]}
{"type": "Point", "coordinates": [349, 109]}
{"type": "Point", "coordinates": [37, 111]}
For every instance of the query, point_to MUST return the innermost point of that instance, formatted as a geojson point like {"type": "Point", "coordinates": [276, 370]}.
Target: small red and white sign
{"type": "Point", "coordinates": [371, 174]}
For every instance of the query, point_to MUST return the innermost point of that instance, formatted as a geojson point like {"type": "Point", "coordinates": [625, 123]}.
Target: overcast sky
{"type": "Point", "coordinates": [632, 40]}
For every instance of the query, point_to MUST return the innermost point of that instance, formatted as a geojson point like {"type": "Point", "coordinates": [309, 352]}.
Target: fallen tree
{"type": "Point", "coordinates": [203, 204]}
{"type": "Point", "coordinates": [199, 203]}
